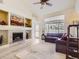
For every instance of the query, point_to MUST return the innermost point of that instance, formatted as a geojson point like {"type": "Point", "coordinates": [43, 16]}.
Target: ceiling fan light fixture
{"type": "Point", "coordinates": [43, 2]}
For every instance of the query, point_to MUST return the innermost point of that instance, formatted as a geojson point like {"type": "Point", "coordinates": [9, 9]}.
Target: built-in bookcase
{"type": "Point", "coordinates": [14, 19]}
{"type": "Point", "coordinates": [9, 22]}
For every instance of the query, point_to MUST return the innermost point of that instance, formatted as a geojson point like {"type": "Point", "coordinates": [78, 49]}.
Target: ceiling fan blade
{"type": "Point", "coordinates": [49, 4]}
{"type": "Point", "coordinates": [37, 3]}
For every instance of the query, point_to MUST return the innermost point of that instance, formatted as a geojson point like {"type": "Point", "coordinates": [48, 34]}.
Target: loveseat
{"type": "Point", "coordinates": [52, 37]}
{"type": "Point", "coordinates": [60, 39]}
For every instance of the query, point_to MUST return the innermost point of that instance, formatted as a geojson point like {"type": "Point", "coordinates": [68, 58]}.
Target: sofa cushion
{"type": "Point", "coordinates": [62, 42]}
{"type": "Point", "coordinates": [55, 35]}
{"type": "Point", "coordinates": [51, 37]}
{"type": "Point", "coordinates": [52, 34]}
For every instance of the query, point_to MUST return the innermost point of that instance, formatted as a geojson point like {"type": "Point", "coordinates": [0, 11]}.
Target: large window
{"type": "Point", "coordinates": [55, 25]}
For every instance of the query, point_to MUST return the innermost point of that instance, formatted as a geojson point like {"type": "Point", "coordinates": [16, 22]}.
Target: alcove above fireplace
{"type": "Point", "coordinates": [17, 36]}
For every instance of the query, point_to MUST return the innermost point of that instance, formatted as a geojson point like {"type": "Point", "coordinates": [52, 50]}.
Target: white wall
{"type": "Point", "coordinates": [16, 6]}
{"type": "Point", "coordinates": [77, 5]}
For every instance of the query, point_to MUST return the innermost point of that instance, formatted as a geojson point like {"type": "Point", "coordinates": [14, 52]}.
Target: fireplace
{"type": "Point", "coordinates": [17, 36]}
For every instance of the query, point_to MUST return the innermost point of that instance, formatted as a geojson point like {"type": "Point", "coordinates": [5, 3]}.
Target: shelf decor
{"type": "Point", "coordinates": [3, 17]}
{"type": "Point", "coordinates": [28, 22]}
{"type": "Point", "coordinates": [16, 20]}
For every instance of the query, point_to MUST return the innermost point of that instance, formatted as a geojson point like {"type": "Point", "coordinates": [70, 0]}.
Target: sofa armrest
{"type": "Point", "coordinates": [61, 42]}
{"type": "Point", "coordinates": [43, 36]}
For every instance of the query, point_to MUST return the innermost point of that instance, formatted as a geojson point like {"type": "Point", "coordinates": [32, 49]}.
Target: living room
{"type": "Point", "coordinates": [32, 30]}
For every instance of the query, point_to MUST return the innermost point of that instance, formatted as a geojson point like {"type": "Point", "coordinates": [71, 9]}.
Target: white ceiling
{"type": "Point", "coordinates": [58, 5]}
{"type": "Point", "coordinates": [77, 5]}
{"type": "Point", "coordinates": [60, 17]}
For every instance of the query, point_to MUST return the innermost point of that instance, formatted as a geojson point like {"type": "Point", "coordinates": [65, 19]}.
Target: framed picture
{"type": "Point", "coordinates": [16, 20]}
{"type": "Point", "coordinates": [28, 22]}
{"type": "Point", "coordinates": [3, 17]}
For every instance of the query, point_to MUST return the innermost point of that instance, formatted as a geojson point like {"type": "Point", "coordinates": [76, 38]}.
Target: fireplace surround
{"type": "Point", "coordinates": [17, 36]}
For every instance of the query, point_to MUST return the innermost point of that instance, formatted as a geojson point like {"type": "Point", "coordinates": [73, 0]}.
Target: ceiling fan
{"type": "Point", "coordinates": [43, 2]}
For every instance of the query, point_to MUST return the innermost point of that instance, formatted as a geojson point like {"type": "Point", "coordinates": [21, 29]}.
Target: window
{"type": "Point", "coordinates": [55, 25]}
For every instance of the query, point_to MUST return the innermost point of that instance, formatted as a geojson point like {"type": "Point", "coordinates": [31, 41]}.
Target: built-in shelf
{"type": "Point", "coordinates": [11, 23]}
{"type": "Point", "coordinates": [28, 22]}
{"type": "Point", "coordinates": [14, 20]}
{"type": "Point", "coordinates": [3, 17]}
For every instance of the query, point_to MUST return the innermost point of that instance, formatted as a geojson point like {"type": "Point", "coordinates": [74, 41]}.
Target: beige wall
{"type": "Point", "coordinates": [16, 7]}
{"type": "Point", "coordinates": [71, 15]}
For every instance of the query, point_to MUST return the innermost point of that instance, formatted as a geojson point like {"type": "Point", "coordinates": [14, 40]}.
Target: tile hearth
{"type": "Point", "coordinates": [42, 50]}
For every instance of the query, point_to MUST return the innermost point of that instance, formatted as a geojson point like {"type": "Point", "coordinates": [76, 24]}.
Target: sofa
{"type": "Point", "coordinates": [61, 45]}
{"type": "Point", "coordinates": [52, 37]}
{"type": "Point", "coordinates": [59, 38]}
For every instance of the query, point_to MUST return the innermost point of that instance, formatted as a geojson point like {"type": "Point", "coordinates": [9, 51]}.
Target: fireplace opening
{"type": "Point", "coordinates": [28, 34]}
{"type": "Point", "coordinates": [17, 37]}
